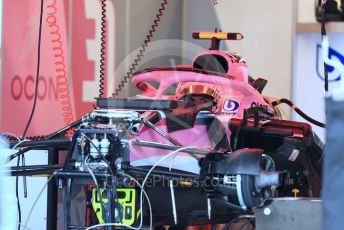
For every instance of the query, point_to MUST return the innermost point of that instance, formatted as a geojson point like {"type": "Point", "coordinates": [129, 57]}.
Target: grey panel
{"type": "Point", "coordinates": [290, 213]}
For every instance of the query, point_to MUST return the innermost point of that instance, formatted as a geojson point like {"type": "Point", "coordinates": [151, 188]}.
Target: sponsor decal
{"type": "Point", "coordinates": [230, 106]}
{"type": "Point", "coordinates": [333, 73]}
{"type": "Point", "coordinates": [257, 104]}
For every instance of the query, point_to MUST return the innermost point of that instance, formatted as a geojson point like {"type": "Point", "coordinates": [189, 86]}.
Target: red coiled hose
{"type": "Point", "coordinates": [60, 66]}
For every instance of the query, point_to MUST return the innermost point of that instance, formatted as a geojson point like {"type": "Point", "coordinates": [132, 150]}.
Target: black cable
{"type": "Point", "coordinates": [226, 226]}
{"type": "Point", "coordinates": [34, 105]}
{"type": "Point", "coordinates": [31, 167]}
{"type": "Point", "coordinates": [37, 72]}
{"type": "Point", "coordinates": [142, 50]}
{"type": "Point", "coordinates": [40, 143]}
{"type": "Point", "coordinates": [50, 136]}
{"type": "Point", "coordinates": [299, 111]}
{"type": "Point", "coordinates": [17, 196]}
{"type": "Point", "coordinates": [323, 33]}
{"type": "Point", "coordinates": [53, 142]}
{"type": "Point", "coordinates": [102, 49]}
{"type": "Point", "coordinates": [326, 77]}
{"type": "Point", "coordinates": [245, 224]}
{"type": "Point", "coordinates": [111, 171]}
{"type": "Point", "coordinates": [236, 136]}
{"type": "Point", "coordinates": [34, 172]}
{"type": "Point", "coordinates": [230, 205]}
{"type": "Point", "coordinates": [235, 220]}
{"type": "Point", "coordinates": [100, 195]}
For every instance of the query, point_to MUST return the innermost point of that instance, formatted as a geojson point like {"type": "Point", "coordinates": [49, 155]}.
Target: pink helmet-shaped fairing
{"type": "Point", "coordinates": [229, 63]}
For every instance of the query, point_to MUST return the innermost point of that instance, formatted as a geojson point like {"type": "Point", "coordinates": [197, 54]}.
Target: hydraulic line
{"type": "Point", "coordinates": [299, 111]}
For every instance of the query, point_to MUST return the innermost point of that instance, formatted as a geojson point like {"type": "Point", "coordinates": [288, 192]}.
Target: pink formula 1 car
{"type": "Point", "coordinates": [200, 141]}
{"type": "Point", "coordinates": [222, 109]}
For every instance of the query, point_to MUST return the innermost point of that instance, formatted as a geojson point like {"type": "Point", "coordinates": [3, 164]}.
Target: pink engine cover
{"type": "Point", "coordinates": [196, 136]}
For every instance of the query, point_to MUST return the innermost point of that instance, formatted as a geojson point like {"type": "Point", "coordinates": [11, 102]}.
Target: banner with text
{"type": "Point", "coordinates": [69, 67]}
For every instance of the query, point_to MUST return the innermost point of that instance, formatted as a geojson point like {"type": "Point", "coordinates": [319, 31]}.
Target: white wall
{"type": "Point", "coordinates": [133, 21]}
{"type": "Point", "coordinates": [38, 217]}
{"type": "Point", "coordinates": [306, 11]}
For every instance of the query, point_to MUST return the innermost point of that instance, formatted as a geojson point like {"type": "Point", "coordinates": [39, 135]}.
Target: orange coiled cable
{"type": "Point", "coordinates": [60, 66]}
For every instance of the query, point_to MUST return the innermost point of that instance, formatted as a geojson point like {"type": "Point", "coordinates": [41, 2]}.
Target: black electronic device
{"type": "Point", "coordinates": [137, 104]}
{"type": "Point", "coordinates": [329, 10]}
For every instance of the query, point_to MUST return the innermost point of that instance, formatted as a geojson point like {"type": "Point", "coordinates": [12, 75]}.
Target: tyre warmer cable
{"type": "Point", "coordinates": [142, 50]}
{"type": "Point", "coordinates": [102, 50]}
{"type": "Point", "coordinates": [299, 111]}
{"type": "Point", "coordinates": [60, 66]}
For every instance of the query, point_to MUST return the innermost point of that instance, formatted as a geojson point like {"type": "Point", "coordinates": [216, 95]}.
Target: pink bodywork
{"type": "Point", "coordinates": [237, 65]}
{"type": "Point", "coordinates": [236, 95]}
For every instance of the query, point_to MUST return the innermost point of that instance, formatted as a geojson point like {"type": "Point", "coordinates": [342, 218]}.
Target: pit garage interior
{"type": "Point", "coordinates": [171, 114]}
